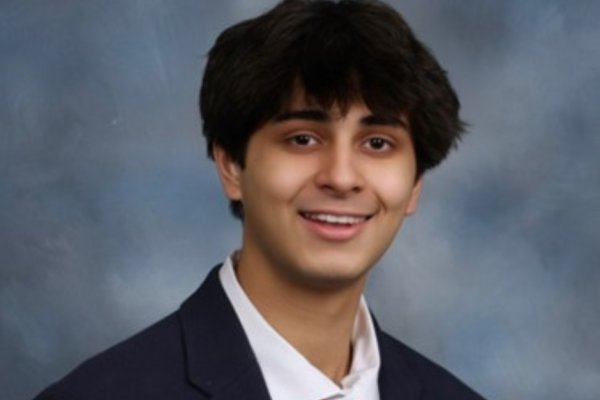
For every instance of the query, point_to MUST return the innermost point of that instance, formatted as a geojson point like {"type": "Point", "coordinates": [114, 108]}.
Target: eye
{"type": "Point", "coordinates": [377, 143]}
{"type": "Point", "coordinates": [302, 139]}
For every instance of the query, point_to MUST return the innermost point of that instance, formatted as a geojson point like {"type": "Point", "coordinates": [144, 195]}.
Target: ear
{"type": "Point", "coordinates": [229, 173]}
{"type": "Point", "coordinates": [414, 196]}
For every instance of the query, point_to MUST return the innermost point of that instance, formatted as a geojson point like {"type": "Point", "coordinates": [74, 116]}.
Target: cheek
{"type": "Point", "coordinates": [394, 189]}
{"type": "Point", "coordinates": [272, 179]}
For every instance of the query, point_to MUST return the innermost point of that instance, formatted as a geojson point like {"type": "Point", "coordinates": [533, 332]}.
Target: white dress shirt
{"type": "Point", "coordinates": [288, 374]}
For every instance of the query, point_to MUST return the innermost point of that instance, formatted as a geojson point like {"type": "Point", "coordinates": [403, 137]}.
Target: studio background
{"type": "Point", "coordinates": [111, 214]}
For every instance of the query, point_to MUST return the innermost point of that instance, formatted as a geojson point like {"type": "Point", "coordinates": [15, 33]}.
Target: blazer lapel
{"type": "Point", "coordinates": [222, 365]}
{"type": "Point", "coordinates": [220, 361]}
{"type": "Point", "coordinates": [396, 381]}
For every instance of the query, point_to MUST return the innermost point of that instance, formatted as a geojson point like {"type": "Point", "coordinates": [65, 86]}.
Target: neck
{"type": "Point", "coordinates": [317, 322]}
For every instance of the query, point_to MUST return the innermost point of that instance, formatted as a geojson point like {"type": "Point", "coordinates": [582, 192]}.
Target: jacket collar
{"type": "Point", "coordinates": [397, 380]}
{"type": "Point", "coordinates": [220, 361]}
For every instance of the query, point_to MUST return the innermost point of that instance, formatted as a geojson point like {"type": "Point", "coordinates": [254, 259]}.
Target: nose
{"type": "Point", "coordinates": [339, 172]}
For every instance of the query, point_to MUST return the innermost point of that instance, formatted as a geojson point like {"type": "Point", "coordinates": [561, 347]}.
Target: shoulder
{"type": "Point", "coordinates": [155, 355]}
{"type": "Point", "coordinates": [435, 381]}
{"type": "Point", "coordinates": [155, 363]}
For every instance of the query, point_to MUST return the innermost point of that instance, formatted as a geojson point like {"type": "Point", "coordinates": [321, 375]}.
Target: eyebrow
{"type": "Point", "coordinates": [317, 115]}
{"type": "Point", "coordinates": [308, 114]}
{"type": "Point", "coordinates": [373, 120]}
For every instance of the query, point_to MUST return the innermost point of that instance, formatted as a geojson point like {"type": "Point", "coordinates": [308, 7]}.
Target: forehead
{"type": "Point", "coordinates": [337, 103]}
{"type": "Point", "coordinates": [300, 105]}
{"type": "Point", "coordinates": [299, 101]}
{"type": "Point", "coordinates": [334, 104]}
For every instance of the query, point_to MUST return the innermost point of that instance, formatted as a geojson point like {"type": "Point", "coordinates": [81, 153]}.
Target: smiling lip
{"type": "Point", "coordinates": [335, 226]}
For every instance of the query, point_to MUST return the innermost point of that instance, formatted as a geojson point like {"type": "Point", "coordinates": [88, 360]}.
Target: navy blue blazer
{"type": "Point", "coordinates": [202, 352]}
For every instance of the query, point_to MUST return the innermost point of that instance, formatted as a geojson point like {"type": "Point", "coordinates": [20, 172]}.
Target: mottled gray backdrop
{"type": "Point", "coordinates": [110, 214]}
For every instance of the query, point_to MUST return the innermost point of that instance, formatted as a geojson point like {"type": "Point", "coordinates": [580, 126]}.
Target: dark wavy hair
{"type": "Point", "coordinates": [339, 52]}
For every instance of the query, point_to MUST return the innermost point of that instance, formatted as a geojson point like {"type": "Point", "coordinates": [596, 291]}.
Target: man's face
{"type": "Point", "coordinates": [323, 193]}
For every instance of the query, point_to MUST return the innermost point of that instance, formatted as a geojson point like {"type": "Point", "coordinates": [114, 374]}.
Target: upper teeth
{"type": "Point", "coordinates": [335, 219]}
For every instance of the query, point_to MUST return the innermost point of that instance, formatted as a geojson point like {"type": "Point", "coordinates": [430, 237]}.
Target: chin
{"type": "Point", "coordinates": [332, 277]}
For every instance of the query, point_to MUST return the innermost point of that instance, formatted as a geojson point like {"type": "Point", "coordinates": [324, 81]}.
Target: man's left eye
{"type": "Point", "coordinates": [303, 140]}
{"type": "Point", "coordinates": [378, 143]}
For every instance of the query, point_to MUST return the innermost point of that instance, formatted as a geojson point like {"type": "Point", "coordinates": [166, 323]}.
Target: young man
{"type": "Point", "coordinates": [322, 118]}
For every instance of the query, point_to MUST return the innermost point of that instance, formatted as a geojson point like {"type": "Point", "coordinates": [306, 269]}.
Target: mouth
{"type": "Point", "coordinates": [335, 226]}
{"type": "Point", "coordinates": [335, 219]}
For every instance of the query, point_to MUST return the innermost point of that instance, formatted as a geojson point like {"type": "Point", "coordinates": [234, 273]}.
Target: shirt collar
{"type": "Point", "coordinates": [290, 376]}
